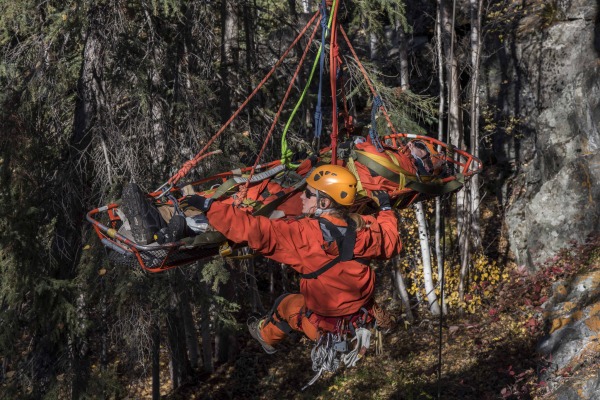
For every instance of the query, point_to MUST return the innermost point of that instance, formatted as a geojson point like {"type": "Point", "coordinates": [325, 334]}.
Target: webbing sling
{"type": "Point", "coordinates": [345, 244]}
{"type": "Point", "coordinates": [236, 180]}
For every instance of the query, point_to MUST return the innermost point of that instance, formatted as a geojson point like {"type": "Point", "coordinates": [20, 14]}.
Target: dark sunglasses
{"type": "Point", "coordinates": [308, 194]}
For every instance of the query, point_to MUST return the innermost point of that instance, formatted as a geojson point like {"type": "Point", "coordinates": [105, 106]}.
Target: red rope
{"type": "Point", "coordinates": [366, 76]}
{"type": "Point", "coordinates": [348, 122]}
{"type": "Point", "coordinates": [187, 166]}
{"type": "Point", "coordinates": [242, 194]}
{"type": "Point", "coordinates": [333, 66]}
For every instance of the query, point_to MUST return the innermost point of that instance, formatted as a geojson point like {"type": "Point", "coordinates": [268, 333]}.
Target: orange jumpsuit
{"type": "Point", "coordinates": [342, 290]}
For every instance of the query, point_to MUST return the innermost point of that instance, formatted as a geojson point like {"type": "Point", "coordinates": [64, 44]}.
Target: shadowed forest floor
{"type": "Point", "coordinates": [488, 354]}
{"type": "Point", "coordinates": [484, 356]}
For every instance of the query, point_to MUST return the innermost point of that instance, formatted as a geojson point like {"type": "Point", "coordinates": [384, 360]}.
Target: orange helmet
{"type": "Point", "coordinates": [335, 181]}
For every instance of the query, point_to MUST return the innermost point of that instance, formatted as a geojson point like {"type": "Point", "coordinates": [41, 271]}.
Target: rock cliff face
{"type": "Point", "coordinates": [548, 79]}
{"type": "Point", "coordinates": [572, 345]}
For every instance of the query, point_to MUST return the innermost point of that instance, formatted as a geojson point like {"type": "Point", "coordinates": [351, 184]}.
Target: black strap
{"type": "Point", "coordinates": [281, 323]}
{"type": "Point", "coordinates": [325, 268]}
{"type": "Point", "coordinates": [345, 242]}
{"type": "Point", "coordinates": [345, 239]}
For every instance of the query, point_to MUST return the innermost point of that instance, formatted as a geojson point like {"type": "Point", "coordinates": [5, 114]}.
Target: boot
{"type": "Point", "coordinates": [175, 231]}
{"type": "Point", "coordinates": [254, 325]}
{"type": "Point", "coordinates": [144, 219]}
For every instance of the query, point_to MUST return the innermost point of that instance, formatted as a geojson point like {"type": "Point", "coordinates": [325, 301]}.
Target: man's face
{"type": "Point", "coordinates": [309, 200]}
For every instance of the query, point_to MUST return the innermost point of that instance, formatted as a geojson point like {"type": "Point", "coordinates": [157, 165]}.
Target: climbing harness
{"type": "Point", "coordinates": [332, 349]}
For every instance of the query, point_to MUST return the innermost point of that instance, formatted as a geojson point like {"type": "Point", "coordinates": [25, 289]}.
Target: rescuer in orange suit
{"type": "Point", "coordinates": [330, 248]}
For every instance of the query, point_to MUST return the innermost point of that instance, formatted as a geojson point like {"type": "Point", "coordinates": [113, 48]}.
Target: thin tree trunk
{"type": "Point", "coordinates": [257, 305]}
{"type": "Point", "coordinates": [464, 270]}
{"type": "Point", "coordinates": [439, 252]}
{"type": "Point", "coordinates": [402, 44]}
{"type": "Point", "coordinates": [306, 6]}
{"type": "Point", "coordinates": [455, 127]}
{"type": "Point", "coordinates": [476, 48]}
{"type": "Point", "coordinates": [207, 355]}
{"type": "Point", "coordinates": [155, 360]}
{"type": "Point", "coordinates": [401, 289]}
{"type": "Point", "coordinates": [225, 343]}
{"type": "Point", "coordinates": [426, 259]}
{"type": "Point", "coordinates": [250, 50]}
{"type": "Point", "coordinates": [373, 46]}
{"type": "Point", "coordinates": [423, 233]}
{"type": "Point", "coordinates": [179, 363]}
{"type": "Point", "coordinates": [157, 103]}
{"type": "Point", "coordinates": [191, 335]}
{"type": "Point", "coordinates": [229, 54]}
{"type": "Point", "coordinates": [74, 183]}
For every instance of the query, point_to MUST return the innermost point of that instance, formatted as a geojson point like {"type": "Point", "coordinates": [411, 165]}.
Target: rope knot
{"type": "Point", "coordinates": [241, 195]}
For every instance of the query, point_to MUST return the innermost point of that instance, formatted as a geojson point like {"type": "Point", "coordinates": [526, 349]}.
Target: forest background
{"type": "Point", "coordinates": [99, 93]}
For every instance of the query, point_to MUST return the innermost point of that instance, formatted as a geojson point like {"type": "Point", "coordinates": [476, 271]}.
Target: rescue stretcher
{"type": "Point", "coordinates": [405, 189]}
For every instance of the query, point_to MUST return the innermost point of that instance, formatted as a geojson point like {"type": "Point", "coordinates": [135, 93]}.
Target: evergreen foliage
{"type": "Point", "coordinates": [96, 94]}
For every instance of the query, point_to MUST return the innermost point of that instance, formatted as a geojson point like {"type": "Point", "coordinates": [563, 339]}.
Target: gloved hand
{"type": "Point", "coordinates": [200, 202]}
{"type": "Point", "coordinates": [383, 198]}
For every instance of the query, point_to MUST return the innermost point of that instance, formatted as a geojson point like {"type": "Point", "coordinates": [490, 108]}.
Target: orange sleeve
{"type": "Point", "coordinates": [285, 241]}
{"type": "Point", "coordinates": [381, 239]}
{"type": "Point", "coordinates": [392, 244]}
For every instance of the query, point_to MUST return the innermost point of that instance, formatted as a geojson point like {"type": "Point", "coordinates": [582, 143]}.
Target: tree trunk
{"type": "Point", "coordinates": [179, 363]}
{"type": "Point", "coordinates": [464, 270]}
{"type": "Point", "coordinates": [74, 183]}
{"type": "Point", "coordinates": [402, 44]}
{"type": "Point", "coordinates": [157, 102]}
{"type": "Point", "coordinates": [426, 259]}
{"type": "Point", "coordinates": [225, 343]}
{"type": "Point", "coordinates": [155, 360]}
{"type": "Point", "coordinates": [423, 233]}
{"type": "Point", "coordinates": [191, 335]}
{"type": "Point", "coordinates": [229, 54]}
{"type": "Point", "coordinates": [475, 225]}
{"type": "Point", "coordinates": [439, 228]}
{"type": "Point", "coordinates": [250, 50]}
{"type": "Point", "coordinates": [306, 6]}
{"type": "Point", "coordinates": [401, 291]}
{"type": "Point", "coordinates": [207, 355]}
{"type": "Point", "coordinates": [373, 46]}
{"type": "Point", "coordinates": [257, 305]}
{"type": "Point", "coordinates": [455, 127]}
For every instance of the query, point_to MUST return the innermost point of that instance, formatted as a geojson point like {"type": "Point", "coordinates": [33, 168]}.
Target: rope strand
{"type": "Point", "coordinates": [279, 111]}
{"type": "Point", "coordinates": [193, 162]}
{"type": "Point", "coordinates": [366, 76]}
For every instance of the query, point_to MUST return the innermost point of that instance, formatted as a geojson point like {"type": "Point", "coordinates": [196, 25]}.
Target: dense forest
{"type": "Point", "coordinates": [100, 93]}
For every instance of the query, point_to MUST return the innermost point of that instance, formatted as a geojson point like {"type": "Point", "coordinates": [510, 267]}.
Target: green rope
{"type": "Point", "coordinates": [286, 152]}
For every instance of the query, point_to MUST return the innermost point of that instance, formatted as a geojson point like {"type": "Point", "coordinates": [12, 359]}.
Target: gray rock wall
{"type": "Point", "coordinates": [549, 79]}
{"type": "Point", "coordinates": [570, 348]}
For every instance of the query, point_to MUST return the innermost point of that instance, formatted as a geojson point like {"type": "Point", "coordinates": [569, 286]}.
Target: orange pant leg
{"type": "Point", "coordinates": [289, 309]}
